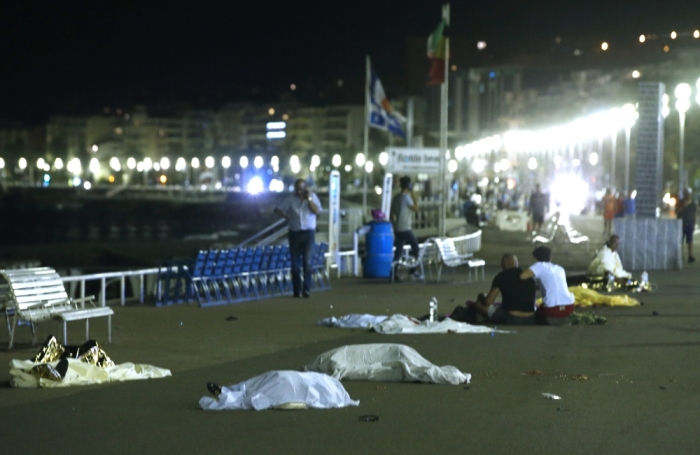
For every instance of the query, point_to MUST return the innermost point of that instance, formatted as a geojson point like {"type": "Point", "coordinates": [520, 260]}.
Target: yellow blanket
{"type": "Point", "coordinates": [588, 297]}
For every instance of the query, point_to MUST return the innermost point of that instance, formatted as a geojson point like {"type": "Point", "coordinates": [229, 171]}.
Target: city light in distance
{"type": "Point", "coordinates": [593, 158]}
{"type": "Point", "coordinates": [276, 125]}
{"type": "Point", "coordinates": [243, 162]}
{"type": "Point", "coordinates": [383, 158]}
{"type": "Point", "coordinates": [378, 189]}
{"type": "Point", "coordinates": [147, 164]}
{"type": "Point", "coordinates": [195, 163]}
{"type": "Point", "coordinates": [139, 166]}
{"type": "Point", "coordinates": [258, 162]}
{"type": "Point", "coordinates": [163, 179]}
{"type": "Point", "coordinates": [276, 135]}
{"type": "Point", "coordinates": [315, 161]}
{"type": "Point", "coordinates": [131, 162]}
{"type": "Point", "coordinates": [481, 45]}
{"type": "Point", "coordinates": [696, 34]}
{"type": "Point", "coordinates": [285, 117]}
{"type": "Point", "coordinates": [271, 111]}
{"type": "Point", "coordinates": [2, 163]}
{"type": "Point", "coordinates": [642, 38]}
{"type": "Point", "coordinates": [114, 164]}
{"type": "Point", "coordinates": [94, 166]}
{"type": "Point", "coordinates": [276, 186]}
{"type": "Point", "coordinates": [156, 166]}
{"type": "Point", "coordinates": [40, 163]}
{"type": "Point", "coordinates": [604, 46]}
{"type": "Point", "coordinates": [87, 185]}
{"type": "Point", "coordinates": [110, 179]}
{"type": "Point", "coordinates": [294, 164]}
{"type": "Point", "coordinates": [360, 159]}
{"type": "Point", "coordinates": [76, 181]}
{"type": "Point", "coordinates": [275, 161]}
{"type": "Point", "coordinates": [293, 87]}
{"type": "Point", "coordinates": [255, 185]}
{"type": "Point", "coordinates": [532, 163]}
{"type": "Point", "coordinates": [452, 166]}
{"type": "Point", "coordinates": [22, 163]}
{"type": "Point", "coordinates": [636, 74]}
{"type": "Point", "coordinates": [336, 161]}
{"type": "Point", "coordinates": [666, 48]}
{"type": "Point", "coordinates": [478, 165]}
{"type": "Point", "coordinates": [348, 168]}
{"type": "Point", "coordinates": [674, 35]}
{"type": "Point", "coordinates": [226, 162]}
{"type": "Point", "coordinates": [164, 163]}
{"type": "Point", "coordinates": [209, 162]}
{"type": "Point", "coordinates": [95, 148]}
{"type": "Point", "coordinates": [369, 166]}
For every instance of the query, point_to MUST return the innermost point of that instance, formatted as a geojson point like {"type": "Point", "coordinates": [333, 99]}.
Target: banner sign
{"type": "Point", "coordinates": [413, 161]}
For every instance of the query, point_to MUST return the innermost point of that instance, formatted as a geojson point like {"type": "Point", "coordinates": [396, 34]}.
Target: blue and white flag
{"type": "Point", "coordinates": [381, 114]}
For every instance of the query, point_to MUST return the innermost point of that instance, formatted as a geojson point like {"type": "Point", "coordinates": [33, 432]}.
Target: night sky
{"type": "Point", "coordinates": [76, 56]}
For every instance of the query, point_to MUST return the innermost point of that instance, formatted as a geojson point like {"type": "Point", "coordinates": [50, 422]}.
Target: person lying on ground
{"type": "Point", "coordinates": [557, 301]}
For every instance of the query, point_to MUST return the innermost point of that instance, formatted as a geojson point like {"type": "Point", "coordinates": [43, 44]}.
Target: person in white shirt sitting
{"type": "Point", "coordinates": [607, 262]}
{"type": "Point", "coordinates": [557, 301]}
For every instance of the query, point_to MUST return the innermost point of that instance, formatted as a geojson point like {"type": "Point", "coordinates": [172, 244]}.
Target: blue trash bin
{"type": "Point", "coordinates": [379, 245]}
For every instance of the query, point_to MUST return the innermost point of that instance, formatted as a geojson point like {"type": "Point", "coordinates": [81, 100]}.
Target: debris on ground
{"type": "Point", "coordinates": [232, 318]}
{"type": "Point", "coordinates": [369, 418]}
{"type": "Point", "coordinates": [587, 318]}
{"type": "Point", "coordinates": [654, 313]}
{"type": "Point", "coordinates": [550, 396]}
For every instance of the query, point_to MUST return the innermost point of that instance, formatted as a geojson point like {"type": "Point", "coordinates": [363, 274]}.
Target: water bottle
{"type": "Point", "coordinates": [433, 309]}
{"type": "Point", "coordinates": [611, 282]}
{"type": "Point", "coordinates": [645, 280]}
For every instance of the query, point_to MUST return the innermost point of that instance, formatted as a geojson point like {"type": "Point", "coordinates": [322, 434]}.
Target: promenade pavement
{"type": "Point", "coordinates": [641, 394]}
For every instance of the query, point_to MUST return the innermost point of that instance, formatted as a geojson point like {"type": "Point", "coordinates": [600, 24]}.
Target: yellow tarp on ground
{"type": "Point", "coordinates": [584, 297]}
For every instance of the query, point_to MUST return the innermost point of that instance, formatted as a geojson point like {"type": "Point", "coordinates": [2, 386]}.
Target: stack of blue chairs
{"type": "Point", "coordinates": [218, 277]}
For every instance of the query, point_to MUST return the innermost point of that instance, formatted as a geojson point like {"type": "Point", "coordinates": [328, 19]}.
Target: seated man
{"type": "Point", "coordinates": [607, 261]}
{"type": "Point", "coordinates": [518, 305]}
{"type": "Point", "coordinates": [557, 301]}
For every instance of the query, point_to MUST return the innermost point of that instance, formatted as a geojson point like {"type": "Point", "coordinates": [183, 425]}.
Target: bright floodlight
{"type": "Point", "coordinates": [164, 163]}
{"type": "Point", "coordinates": [131, 163]}
{"type": "Point", "coordinates": [642, 38]}
{"type": "Point", "coordinates": [629, 115]}
{"type": "Point", "coordinates": [147, 164]}
{"type": "Point", "coordinates": [532, 163]}
{"type": "Point", "coordinates": [22, 163]}
{"type": "Point", "coordinates": [336, 161]}
{"type": "Point", "coordinates": [243, 162]}
{"type": "Point", "coordinates": [604, 46]}
{"type": "Point", "coordinates": [348, 168]}
{"type": "Point", "coordinates": [571, 192]}
{"type": "Point", "coordinates": [478, 165]}
{"type": "Point", "coordinates": [383, 158]}
{"type": "Point", "coordinates": [258, 162]}
{"type": "Point", "coordinates": [683, 91]}
{"type": "Point", "coordinates": [255, 186]}
{"type": "Point", "coordinates": [452, 166]}
{"type": "Point", "coordinates": [94, 166]}
{"type": "Point", "coordinates": [674, 35]}
{"type": "Point", "coordinates": [369, 166]}
{"type": "Point", "coordinates": [40, 163]}
{"type": "Point", "coordinates": [114, 164]}
{"type": "Point", "coordinates": [504, 164]}
{"type": "Point", "coordinates": [360, 159]}
{"type": "Point", "coordinates": [87, 185]}
{"type": "Point", "coordinates": [276, 135]}
{"type": "Point", "coordinates": [276, 125]}
{"type": "Point", "coordinates": [226, 162]}
{"type": "Point", "coordinates": [636, 74]}
{"type": "Point", "coordinates": [195, 163]}
{"type": "Point", "coordinates": [593, 158]}
{"type": "Point", "coordinates": [209, 162]}
{"type": "Point", "coordinates": [481, 45]}
{"type": "Point", "coordinates": [315, 161]}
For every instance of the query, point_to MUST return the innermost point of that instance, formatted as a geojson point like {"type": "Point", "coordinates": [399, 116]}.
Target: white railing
{"type": "Point", "coordinates": [113, 277]}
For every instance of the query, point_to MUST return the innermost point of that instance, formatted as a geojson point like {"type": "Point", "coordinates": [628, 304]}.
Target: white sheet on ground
{"type": "Point", "coordinates": [384, 362]}
{"type": "Point", "coordinates": [81, 373]}
{"type": "Point", "coordinates": [353, 321]}
{"type": "Point", "coordinates": [276, 388]}
{"type": "Point", "coordinates": [400, 323]}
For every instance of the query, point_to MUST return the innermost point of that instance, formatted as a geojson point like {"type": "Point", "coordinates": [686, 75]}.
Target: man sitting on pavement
{"type": "Point", "coordinates": [518, 304]}
{"type": "Point", "coordinates": [557, 301]}
{"type": "Point", "coordinates": [607, 261]}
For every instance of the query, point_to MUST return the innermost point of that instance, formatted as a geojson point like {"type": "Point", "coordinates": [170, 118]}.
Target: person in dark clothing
{"type": "Point", "coordinates": [539, 204]}
{"type": "Point", "coordinates": [518, 296]}
{"type": "Point", "coordinates": [688, 214]}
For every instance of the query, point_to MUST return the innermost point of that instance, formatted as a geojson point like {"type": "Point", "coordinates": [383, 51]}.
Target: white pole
{"type": "Point", "coordinates": [366, 144]}
{"type": "Point", "coordinates": [613, 166]}
{"type": "Point", "coordinates": [681, 150]}
{"type": "Point", "coordinates": [627, 159]}
{"type": "Point", "coordinates": [444, 93]}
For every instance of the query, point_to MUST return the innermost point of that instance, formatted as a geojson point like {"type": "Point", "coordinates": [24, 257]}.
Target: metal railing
{"type": "Point", "coordinates": [108, 278]}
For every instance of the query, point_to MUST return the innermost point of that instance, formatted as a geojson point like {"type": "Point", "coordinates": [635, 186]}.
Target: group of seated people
{"type": "Point", "coordinates": [518, 289]}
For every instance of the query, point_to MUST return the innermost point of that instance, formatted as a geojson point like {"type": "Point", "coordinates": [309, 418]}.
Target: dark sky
{"type": "Point", "coordinates": [64, 56]}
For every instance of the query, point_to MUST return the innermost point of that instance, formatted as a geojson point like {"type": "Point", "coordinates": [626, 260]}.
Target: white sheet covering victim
{"type": "Point", "coordinates": [276, 388]}
{"type": "Point", "coordinates": [81, 373]}
{"type": "Point", "coordinates": [353, 321]}
{"type": "Point", "coordinates": [384, 362]}
{"type": "Point", "coordinates": [399, 323]}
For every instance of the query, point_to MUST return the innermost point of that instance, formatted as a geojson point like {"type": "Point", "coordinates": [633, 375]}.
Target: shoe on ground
{"type": "Point", "coordinates": [417, 276]}
{"type": "Point", "coordinates": [306, 294]}
{"type": "Point", "coordinates": [691, 259]}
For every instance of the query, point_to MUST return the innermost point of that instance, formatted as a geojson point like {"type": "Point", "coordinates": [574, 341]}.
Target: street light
{"type": "Point", "coordinates": [244, 162]}
{"type": "Point", "coordinates": [131, 163]}
{"type": "Point", "coordinates": [360, 159]}
{"type": "Point", "coordinates": [682, 93]}
{"type": "Point", "coordinates": [209, 162]}
{"type": "Point", "coordinates": [383, 158]}
{"type": "Point", "coordinates": [337, 160]}
{"type": "Point", "coordinates": [226, 162]}
{"type": "Point", "coordinates": [164, 163]}
{"type": "Point", "coordinates": [22, 163]}
{"type": "Point", "coordinates": [195, 163]}
{"type": "Point", "coordinates": [369, 166]}
{"type": "Point", "coordinates": [258, 162]}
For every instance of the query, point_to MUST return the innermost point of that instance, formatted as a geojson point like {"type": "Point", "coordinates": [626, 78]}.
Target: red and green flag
{"type": "Point", "coordinates": [436, 52]}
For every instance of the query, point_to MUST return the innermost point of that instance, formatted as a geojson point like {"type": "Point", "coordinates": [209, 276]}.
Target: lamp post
{"type": "Point", "coordinates": [628, 118]}
{"type": "Point", "coordinates": [682, 93]}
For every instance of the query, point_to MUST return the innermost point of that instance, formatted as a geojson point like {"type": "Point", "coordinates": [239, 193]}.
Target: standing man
{"type": "Point", "coordinates": [557, 301]}
{"type": "Point", "coordinates": [402, 207]}
{"type": "Point", "coordinates": [300, 209]}
{"type": "Point", "coordinates": [688, 214]}
{"type": "Point", "coordinates": [539, 204]}
{"type": "Point", "coordinates": [609, 210]}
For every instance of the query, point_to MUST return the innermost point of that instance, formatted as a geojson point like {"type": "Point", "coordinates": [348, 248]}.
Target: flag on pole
{"type": "Point", "coordinates": [381, 114]}
{"type": "Point", "coordinates": [436, 52]}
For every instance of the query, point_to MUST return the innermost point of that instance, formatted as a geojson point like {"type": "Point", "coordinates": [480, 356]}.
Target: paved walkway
{"type": "Point", "coordinates": [641, 395]}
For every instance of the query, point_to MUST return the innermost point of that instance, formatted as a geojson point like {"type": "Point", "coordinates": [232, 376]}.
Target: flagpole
{"type": "Point", "coordinates": [444, 93]}
{"type": "Point", "coordinates": [366, 142]}
{"type": "Point", "coordinates": [409, 123]}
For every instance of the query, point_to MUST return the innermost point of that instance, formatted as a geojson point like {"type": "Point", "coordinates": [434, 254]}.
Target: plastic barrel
{"type": "Point", "coordinates": [379, 244]}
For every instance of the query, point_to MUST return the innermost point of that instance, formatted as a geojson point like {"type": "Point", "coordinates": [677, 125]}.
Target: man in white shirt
{"type": "Point", "coordinates": [607, 261]}
{"type": "Point", "coordinates": [557, 301]}
{"type": "Point", "coordinates": [403, 206]}
{"type": "Point", "coordinates": [300, 209]}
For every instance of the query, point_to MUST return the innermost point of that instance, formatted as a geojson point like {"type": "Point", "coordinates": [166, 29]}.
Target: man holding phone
{"type": "Point", "coordinates": [300, 209]}
{"type": "Point", "coordinates": [403, 206]}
